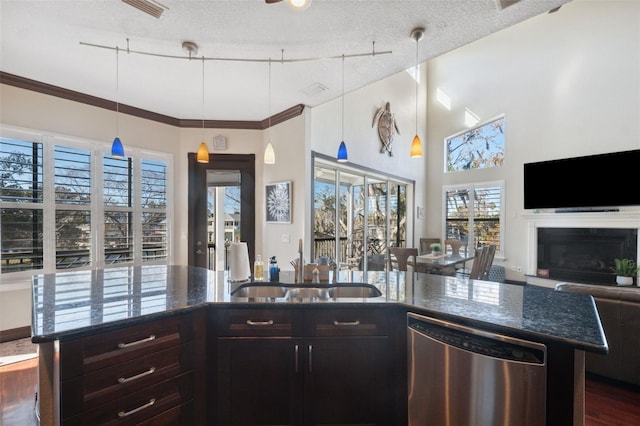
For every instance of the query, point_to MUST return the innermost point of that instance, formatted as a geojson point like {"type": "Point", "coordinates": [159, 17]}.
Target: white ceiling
{"type": "Point", "coordinates": [41, 40]}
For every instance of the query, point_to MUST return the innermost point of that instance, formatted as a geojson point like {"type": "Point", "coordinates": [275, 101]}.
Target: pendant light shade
{"type": "Point", "coordinates": [203, 153]}
{"type": "Point", "coordinates": [416, 147]}
{"type": "Point", "coordinates": [269, 154]}
{"type": "Point", "coordinates": [416, 144]}
{"type": "Point", "coordinates": [342, 153]}
{"type": "Point", "coordinates": [117, 151]}
{"type": "Point", "coordinates": [342, 156]}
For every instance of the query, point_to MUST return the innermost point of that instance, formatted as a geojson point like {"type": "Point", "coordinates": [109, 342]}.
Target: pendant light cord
{"type": "Point", "coordinates": [416, 79]}
{"type": "Point", "coordinates": [269, 106]}
{"type": "Point", "coordinates": [202, 109]}
{"type": "Point", "coordinates": [117, 91]}
{"type": "Point", "coordinates": [343, 97]}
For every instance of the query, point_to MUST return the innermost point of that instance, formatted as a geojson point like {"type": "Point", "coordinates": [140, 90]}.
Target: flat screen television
{"type": "Point", "coordinates": [594, 181]}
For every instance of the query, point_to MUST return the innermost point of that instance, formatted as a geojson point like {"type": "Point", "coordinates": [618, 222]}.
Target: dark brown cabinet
{"type": "Point", "coordinates": [302, 366]}
{"type": "Point", "coordinates": [133, 375]}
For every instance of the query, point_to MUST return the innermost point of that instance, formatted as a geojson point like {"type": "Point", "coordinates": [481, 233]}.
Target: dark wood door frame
{"type": "Point", "coordinates": [197, 228]}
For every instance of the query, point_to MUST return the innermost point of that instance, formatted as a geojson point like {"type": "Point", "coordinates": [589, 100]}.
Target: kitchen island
{"type": "Point", "coordinates": [76, 313]}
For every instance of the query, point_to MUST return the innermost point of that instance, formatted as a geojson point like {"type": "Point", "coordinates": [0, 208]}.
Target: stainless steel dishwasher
{"type": "Point", "coordinates": [460, 376]}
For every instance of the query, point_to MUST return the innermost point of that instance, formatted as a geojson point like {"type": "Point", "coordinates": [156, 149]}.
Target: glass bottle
{"type": "Point", "coordinates": [258, 269]}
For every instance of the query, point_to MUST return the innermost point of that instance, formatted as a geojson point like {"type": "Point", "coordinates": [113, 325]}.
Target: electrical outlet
{"type": "Point", "coordinates": [284, 238]}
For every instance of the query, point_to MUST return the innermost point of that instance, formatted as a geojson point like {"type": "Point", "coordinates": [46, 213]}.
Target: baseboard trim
{"type": "Point", "coordinates": [15, 334]}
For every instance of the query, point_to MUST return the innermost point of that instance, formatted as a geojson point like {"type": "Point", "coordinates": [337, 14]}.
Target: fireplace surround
{"type": "Point", "coordinates": [583, 255]}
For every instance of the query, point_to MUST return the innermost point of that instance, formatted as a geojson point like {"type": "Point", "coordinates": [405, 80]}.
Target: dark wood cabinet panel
{"type": "Point", "coordinates": [133, 408]}
{"type": "Point", "coordinates": [80, 356]}
{"type": "Point", "coordinates": [347, 381]}
{"type": "Point", "coordinates": [130, 375]}
{"type": "Point", "coordinates": [303, 378]}
{"type": "Point", "coordinates": [259, 381]}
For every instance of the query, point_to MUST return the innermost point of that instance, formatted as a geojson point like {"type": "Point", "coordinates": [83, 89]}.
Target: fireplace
{"type": "Point", "coordinates": [584, 255]}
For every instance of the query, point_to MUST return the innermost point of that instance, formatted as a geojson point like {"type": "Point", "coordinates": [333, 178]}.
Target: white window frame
{"type": "Point", "coordinates": [471, 187]}
{"type": "Point", "coordinates": [97, 207]}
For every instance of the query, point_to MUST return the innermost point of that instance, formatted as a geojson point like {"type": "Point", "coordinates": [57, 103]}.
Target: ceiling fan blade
{"type": "Point", "coordinates": [272, 1]}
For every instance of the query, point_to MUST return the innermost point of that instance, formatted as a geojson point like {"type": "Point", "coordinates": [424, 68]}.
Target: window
{"type": "Point", "coordinates": [68, 205]}
{"type": "Point", "coordinates": [477, 148]}
{"type": "Point", "coordinates": [475, 213]}
{"type": "Point", "coordinates": [358, 213]}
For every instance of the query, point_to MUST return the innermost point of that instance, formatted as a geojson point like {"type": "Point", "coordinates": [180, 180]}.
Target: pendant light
{"type": "Point", "coordinates": [416, 144]}
{"type": "Point", "coordinates": [269, 153]}
{"type": "Point", "coordinates": [203, 151]}
{"type": "Point", "coordinates": [117, 150]}
{"type": "Point", "coordinates": [342, 149]}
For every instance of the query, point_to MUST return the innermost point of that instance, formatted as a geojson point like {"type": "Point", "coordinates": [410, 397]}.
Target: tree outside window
{"type": "Point", "coordinates": [477, 148]}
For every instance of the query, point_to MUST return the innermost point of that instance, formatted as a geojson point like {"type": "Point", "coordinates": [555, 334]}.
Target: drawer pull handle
{"type": "Point", "coordinates": [260, 323]}
{"type": "Point", "coordinates": [135, 410]}
{"type": "Point", "coordinates": [346, 324]}
{"type": "Point", "coordinates": [137, 342]}
{"type": "Point", "coordinates": [137, 376]}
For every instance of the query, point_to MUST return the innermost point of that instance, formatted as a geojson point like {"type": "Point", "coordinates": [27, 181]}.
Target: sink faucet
{"type": "Point", "coordinates": [300, 277]}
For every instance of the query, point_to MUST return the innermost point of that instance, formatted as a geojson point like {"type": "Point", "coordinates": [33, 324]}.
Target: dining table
{"type": "Point", "coordinates": [444, 264]}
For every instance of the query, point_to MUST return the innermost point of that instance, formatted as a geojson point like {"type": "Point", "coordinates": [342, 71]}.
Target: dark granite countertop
{"type": "Point", "coordinates": [72, 304]}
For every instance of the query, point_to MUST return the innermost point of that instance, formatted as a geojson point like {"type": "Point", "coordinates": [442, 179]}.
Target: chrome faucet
{"type": "Point", "coordinates": [300, 277]}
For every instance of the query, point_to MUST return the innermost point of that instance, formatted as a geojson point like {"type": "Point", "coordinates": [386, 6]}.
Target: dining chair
{"type": "Point", "coordinates": [458, 247]}
{"type": "Point", "coordinates": [399, 257]}
{"type": "Point", "coordinates": [425, 244]}
{"type": "Point", "coordinates": [482, 262]}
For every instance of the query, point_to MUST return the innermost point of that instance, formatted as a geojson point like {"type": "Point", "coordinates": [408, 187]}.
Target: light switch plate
{"type": "Point", "coordinates": [284, 238]}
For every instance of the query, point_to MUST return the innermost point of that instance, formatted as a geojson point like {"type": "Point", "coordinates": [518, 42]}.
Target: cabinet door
{"type": "Point", "coordinates": [347, 381]}
{"type": "Point", "coordinates": [259, 381]}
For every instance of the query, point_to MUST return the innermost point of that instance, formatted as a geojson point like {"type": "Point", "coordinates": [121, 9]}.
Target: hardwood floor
{"type": "Point", "coordinates": [611, 403]}
{"type": "Point", "coordinates": [17, 393]}
{"type": "Point", "coordinates": [606, 403]}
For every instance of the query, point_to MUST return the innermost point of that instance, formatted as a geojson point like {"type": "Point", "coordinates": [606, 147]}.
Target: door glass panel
{"type": "Point", "coordinates": [377, 217]}
{"type": "Point", "coordinates": [223, 215]}
{"type": "Point", "coordinates": [398, 214]}
{"type": "Point", "coordinates": [324, 219]}
{"type": "Point", "coordinates": [352, 221]}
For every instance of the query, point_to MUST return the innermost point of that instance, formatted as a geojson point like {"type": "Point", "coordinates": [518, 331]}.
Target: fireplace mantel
{"type": "Point", "coordinates": [620, 219]}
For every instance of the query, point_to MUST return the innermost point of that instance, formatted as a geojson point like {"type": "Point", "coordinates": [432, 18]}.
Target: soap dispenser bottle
{"type": "Point", "coordinates": [274, 271]}
{"type": "Point", "coordinates": [258, 269]}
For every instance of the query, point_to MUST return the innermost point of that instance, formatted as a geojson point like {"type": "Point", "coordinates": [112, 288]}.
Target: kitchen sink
{"type": "Point", "coordinates": [354, 291]}
{"type": "Point", "coordinates": [266, 291]}
{"type": "Point", "coordinates": [260, 291]}
{"type": "Point", "coordinates": [308, 293]}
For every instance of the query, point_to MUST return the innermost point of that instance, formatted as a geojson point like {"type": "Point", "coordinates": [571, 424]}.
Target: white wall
{"type": "Point", "coordinates": [568, 84]}
{"type": "Point", "coordinates": [289, 143]}
{"type": "Point", "coordinates": [361, 138]}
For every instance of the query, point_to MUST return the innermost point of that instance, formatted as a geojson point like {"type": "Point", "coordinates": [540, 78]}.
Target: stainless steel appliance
{"type": "Point", "coordinates": [460, 376]}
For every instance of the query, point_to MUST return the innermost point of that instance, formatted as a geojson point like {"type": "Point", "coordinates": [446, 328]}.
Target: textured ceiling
{"type": "Point", "coordinates": [43, 40]}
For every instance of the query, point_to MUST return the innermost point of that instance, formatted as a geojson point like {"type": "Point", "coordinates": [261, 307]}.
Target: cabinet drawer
{"type": "Point", "coordinates": [90, 390]}
{"type": "Point", "coordinates": [345, 322]}
{"type": "Point", "coordinates": [258, 322]}
{"type": "Point", "coordinates": [105, 349]}
{"type": "Point", "coordinates": [181, 415]}
{"type": "Point", "coordinates": [139, 406]}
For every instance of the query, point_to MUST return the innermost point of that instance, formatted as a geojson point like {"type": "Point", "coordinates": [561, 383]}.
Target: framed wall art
{"type": "Point", "coordinates": [278, 202]}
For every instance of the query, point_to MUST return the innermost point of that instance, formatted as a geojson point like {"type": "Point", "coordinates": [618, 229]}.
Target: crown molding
{"type": "Point", "coordinates": [60, 92]}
